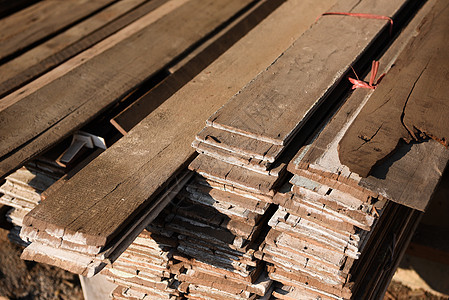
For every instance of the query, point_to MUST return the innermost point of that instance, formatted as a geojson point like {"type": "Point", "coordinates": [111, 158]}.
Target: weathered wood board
{"type": "Point", "coordinates": [274, 106]}
{"type": "Point", "coordinates": [75, 98]}
{"type": "Point", "coordinates": [402, 175]}
{"type": "Point", "coordinates": [43, 19]}
{"type": "Point", "coordinates": [410, 104]}
{"type": "Point", "coordinates": [44, 57]}
{"type": "Point", "coordinates": [125, 178]}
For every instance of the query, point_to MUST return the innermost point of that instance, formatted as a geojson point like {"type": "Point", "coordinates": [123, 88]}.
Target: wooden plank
{"type": "Point", "coordinates": [42, 20]}
{"type": "Point", "coordinates": [97, 49]}
{"type": "Point", "coordinates": [395, 179]}
{"type": "Point", "coordinates": [85, 91]}
{"type": "Point", "coordinates": [192, 64]}
{"type": "Point", "coordinates": [74, 40]}
{"type": "Point", "coordinates": [128, 173]}
{"type": "Point", "coordinates": [409, 105]}
{"type": "Point", "coordinates": [8, 7]}
{"type": "Point", "coordinates": [274, 106]}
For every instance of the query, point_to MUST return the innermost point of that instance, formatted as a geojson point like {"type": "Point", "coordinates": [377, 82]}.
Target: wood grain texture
{"type": "Point", "coordinates": [41, 20]}
{"type": "Point", "coordinates": [88, 54]}
{"type": "Point", "coordinates": [186, 69]}
{"type": "Point", "coordinates": [128, 175]}
{"type": "Point", "coordinates": [75, 98]}
{"type": "Point", "coordinates": [282, 98]}
{"type": "Point", "coordinates": [409, 105]}
{"type": "Point", "coordinates": [401, 176]}
{"type": "Point", "coordinates": [36, 61]}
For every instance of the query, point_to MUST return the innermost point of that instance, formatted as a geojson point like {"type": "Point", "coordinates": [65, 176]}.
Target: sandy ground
{"type": "Point", "coordinates": [28, 280]}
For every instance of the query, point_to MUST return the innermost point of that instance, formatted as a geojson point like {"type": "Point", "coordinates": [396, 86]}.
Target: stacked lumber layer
{"type": "Point", "coordinates": [143, 270]}
{"type": "Point", "coordinates": [128, 180]}
{"type": "Point", "coordinates": [22, 190]}
{"type": "Point", "coordinates": [367, 278]}
{"type": "Point", "coordinates": [408, 176]}
{"type": "Point", "coordinates": [201, 257]}
{"type": "Point", "coordinates": [217, 232]}
{"type": "Point", "coordinates": [325, 239]}
{"type": "Point", "coordinates": [315, 238]}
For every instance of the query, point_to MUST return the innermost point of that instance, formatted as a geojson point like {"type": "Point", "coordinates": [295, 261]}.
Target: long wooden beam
{"type": "Point", "coordinates": [76, 97]}
{"type": "Point", "coordinates": [126, 178]}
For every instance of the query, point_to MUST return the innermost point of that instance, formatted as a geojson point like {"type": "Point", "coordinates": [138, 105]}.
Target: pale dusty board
{"type": "Point", "coordinates": [134, 173]}
{"type": "Point", "coordinates": [194, 63]}
{"type": "Point", "coordinates": [41, 20]}
{"type": "Point", "coordinates": [85, 91]}
{"type": "Point", "coordinates": [36, 61]}
{"type": "Point", "coordinates": [276, 104]}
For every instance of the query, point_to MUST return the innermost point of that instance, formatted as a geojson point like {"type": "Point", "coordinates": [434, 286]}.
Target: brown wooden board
{"type": "Point", "coordinates": [409, 105]}
{"type": "Point", "coordinates": [409, 170]}
{"type": "Point", "coordinates": [198, 59]}
{"type": "Point", "coordinates": [126, 177]}
{"type": "Point", "coordinates": [41, 20]}
{"type": "Point", "coordinates": [274, 106]}
{"type": "Point", "coordinates": [72, 41]}
{"type": "Point", "coordinates": [91, 87]}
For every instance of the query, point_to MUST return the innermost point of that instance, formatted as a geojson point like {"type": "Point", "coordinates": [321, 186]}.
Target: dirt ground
{"type": "Point", "coordinates": [397, 291]}
{"type": "Point", "coordinates": [24, 280]}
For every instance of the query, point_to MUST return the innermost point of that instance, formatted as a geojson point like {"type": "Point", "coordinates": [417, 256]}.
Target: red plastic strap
{"type": "Point", "coordinates": [372, 84]}
{"type": "Point", "coordinates": [362, 15]}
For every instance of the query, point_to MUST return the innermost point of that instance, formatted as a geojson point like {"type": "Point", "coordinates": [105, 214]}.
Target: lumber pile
{"type": "Point", "coordinates": [138, 168]}
{"type": "Point", "coordinates": [275, 200]}
{"type": "Point", "coordinates": [326, 208]}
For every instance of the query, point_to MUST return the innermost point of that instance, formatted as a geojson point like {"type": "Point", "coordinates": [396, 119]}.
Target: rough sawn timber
{"type": "Point", "coordinates": [410, 104]}
{"type": "Point", "coordinates": [126, 177]}
{"type": "Point", "coordinates": [38, 60]}
{"type": "Point", "coordinates": [41, 20]}
{"type": "Point", "coordinates": [275, 105]}
{"type": "Point", "coordinates": [75, 98]}
{"type": "Point", "coordinates": [400, 177]}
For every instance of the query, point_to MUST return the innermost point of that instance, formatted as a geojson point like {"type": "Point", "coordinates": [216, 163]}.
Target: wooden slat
{"type": "Point", "coordinates": [125, 178]}
{"type": "Point", "coordinates": [41, 20]}
{"type": "Point", "coordinates": [185, 70]}
{"type": "Point", "coordinates": [395, 179]}
{"type": "Point", "coordinates": [274, 106]}
{"type": "Point", "coordinates": [78, 96]}
{"type": "Point", "coordinates": [74, 40]}
{"type": "Point", "coordinates": [409, 105]}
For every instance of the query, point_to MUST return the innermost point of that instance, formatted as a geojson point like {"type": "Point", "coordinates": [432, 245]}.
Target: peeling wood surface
{"type": "Point", "coordinates": [411, 102]}
{"type": "Point", "coordinates": [127, 171]}
{"type": "Point", "coordinates": [399, 178]}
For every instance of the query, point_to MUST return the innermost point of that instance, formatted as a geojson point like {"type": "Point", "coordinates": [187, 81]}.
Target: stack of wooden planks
{"type": "Point", "coordinates": [137, 168]}
{"type": "Point", "coordinates": [327, 217]}
{"type": "Point", "coordinates": [275, 198]}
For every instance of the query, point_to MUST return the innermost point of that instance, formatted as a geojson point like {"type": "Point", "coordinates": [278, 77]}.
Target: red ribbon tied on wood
{"type": "Point", "coordinates": [372, 84]}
